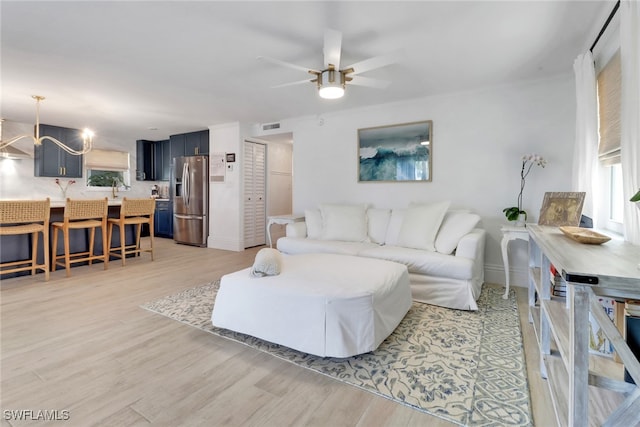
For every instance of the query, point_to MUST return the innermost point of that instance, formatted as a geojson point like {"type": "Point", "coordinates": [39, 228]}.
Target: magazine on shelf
{"type": "Point", "coordinates": [558, 286]}
{"type": "Point", "coordinates": [598, 341]}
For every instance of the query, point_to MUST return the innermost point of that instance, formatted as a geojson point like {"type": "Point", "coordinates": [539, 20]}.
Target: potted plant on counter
{"type": "Point", "coordinates": [516, 213]}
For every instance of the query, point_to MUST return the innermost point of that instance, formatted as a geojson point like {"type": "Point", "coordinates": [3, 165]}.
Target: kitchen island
{"type": "Point", "coordinates": [18, 247]}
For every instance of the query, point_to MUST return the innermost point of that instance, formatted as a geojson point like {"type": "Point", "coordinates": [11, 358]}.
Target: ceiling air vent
{"type": "Point", "coordinates": [270, 126]}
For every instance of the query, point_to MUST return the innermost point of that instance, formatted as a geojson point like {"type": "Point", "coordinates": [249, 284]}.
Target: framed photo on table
{"type": "Point", "coordinates": [561, 209]}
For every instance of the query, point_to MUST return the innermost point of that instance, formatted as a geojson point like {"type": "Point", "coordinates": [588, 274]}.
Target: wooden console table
{"type": "Point", "coordinates": [562, 326]}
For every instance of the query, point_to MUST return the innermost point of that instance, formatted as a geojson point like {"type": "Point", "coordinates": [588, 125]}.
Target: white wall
{"type": "Point", "coordinates": [225, 198]}
{"type": "Point", "coordinates": [279, 183]}
{"type": "Point", "coordinates": [479, 138]}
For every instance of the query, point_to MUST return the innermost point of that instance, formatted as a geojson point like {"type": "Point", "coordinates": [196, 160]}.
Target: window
{"type": "Point", "coordinates": [616, 199]}
{"type": "Point", "coordinates": [102, 178]}
{"type": "Point", "coordinates": [609, 91]}
{"type": "Point", "coordinates": [107, 168]}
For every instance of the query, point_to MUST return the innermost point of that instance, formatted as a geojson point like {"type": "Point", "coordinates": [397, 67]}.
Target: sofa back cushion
{"type": "Point", "coordinates": [344, 222]}
{"type": "Point", "coordinates": [421, 224]}
{"type": "Point", "coordinates": [454, 226]}
{"type": "Point", "coordinates": [313, 219]}
{"type": "Point", "coordinates": [393, 229]}
{"type": "Point", "coordinates": [377, 224]}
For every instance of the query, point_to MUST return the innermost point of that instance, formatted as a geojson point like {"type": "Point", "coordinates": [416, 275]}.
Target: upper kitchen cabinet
{"type": "Point", "coordinates": [190, 144]}
{"type": "Point", "coordinates": [163, 160]}
{"type": "Point", "coordinates": [51, 160]}
{"type": "Point", "coordinates": [153, 160]}
{"type": "Point", "coordinates": [145, 159]}
{"type": "Point", "coordinates": [196, 143]}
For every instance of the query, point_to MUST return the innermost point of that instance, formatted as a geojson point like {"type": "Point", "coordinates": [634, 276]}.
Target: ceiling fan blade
{"type": "Point", "coordinates": [366, 81]}
{"type": "Point", "coordinates": [299, 82]}
{"type": "Point", "coordinates": [287, 64]}
{"type": "Point", "coordinates": [375, 62]}
{"type": "Point", "coordinates": [332, 48]}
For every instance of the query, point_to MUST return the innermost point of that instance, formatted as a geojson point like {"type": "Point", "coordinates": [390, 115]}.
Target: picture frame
{"type": "Point", "coordinates": [561, 209]}
{"type": "Point", "coordinates": [396, 153]}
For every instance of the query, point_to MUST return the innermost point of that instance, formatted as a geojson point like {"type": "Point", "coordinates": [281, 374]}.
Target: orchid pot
{"type": "Point", "coordinates": [516, 213]}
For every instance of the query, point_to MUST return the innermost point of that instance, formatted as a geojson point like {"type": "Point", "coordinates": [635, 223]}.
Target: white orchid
{"type": "Point", "coordinates": [528, 160]}
{"type": "Point", "coordinates": [534, 159]}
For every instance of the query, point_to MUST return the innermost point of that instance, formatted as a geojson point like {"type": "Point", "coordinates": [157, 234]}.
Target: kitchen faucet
{"type": "Point", "coordinates": [114, 189]}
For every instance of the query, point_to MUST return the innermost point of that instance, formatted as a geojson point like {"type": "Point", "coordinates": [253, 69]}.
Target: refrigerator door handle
{"type": "Point", "coordinates": [188, 216]}
{"type": "Point", "coordinates": [185, 184]}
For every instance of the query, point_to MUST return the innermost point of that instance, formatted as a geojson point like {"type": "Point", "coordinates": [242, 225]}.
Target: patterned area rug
{"type": "Point", "coordinates": [464, 367]}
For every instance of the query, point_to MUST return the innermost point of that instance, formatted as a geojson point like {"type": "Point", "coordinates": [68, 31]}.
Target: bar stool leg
{"type": "Point", "coordinates": [151, 240]}
{"type": "Point", "coordinates": [122, 241]}
{"type": "Point", "coordinates": [92, 238]}
{"type": "Point", "coordinates": [67, 255]}
{"type": "Point", "coordinates": [139, 230]}
{"type": "Point", "coordinates": [54, 260]}
{"type": "Point", "coordinates": [34, 252]}
{"type": "Point", "coordinates": [45, 252]}
{"type": "Point", "coordinates": [109, 236]}
{"type": "Point", "coordinates": [105, 246]}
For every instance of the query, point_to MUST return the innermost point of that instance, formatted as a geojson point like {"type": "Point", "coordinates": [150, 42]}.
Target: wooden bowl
{"type": "Point", "coordinates": [584, 235]}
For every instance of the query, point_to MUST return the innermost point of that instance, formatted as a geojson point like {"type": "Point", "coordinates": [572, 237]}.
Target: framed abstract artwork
{"type": "Point", "coordinates": [560, 209]}
{"type": "Point", "coordinates": [396, 153]}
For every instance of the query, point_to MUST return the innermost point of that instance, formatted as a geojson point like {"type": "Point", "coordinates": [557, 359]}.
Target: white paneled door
{"type": "Point", "coordinates": [255, 212]}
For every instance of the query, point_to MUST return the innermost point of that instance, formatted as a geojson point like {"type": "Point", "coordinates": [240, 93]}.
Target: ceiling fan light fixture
{"type": "Point", "coordinates": [328, 86]}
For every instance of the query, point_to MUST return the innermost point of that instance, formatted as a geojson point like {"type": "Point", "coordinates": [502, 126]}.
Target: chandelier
{"type": "Point", "coordinates": [87, 136]}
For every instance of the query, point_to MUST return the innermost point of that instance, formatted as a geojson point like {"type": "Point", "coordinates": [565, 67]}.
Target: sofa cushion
{"type": "Point", "coordinates": [393, 229]}
{"type": "Point", "coordinates": [422, 262]}
{"type": "Point", "coordinates": [297, 229]}
{"type": "Point", "coordinates": [420, 225]}
{"type": "Point", "coordinates": [344, 222]}
{"type": "Point", "coordinates": [454, 226]}
{"type": "Point", "coordinates": [296, 245]}
{"type": "Point", "coordinates": [313, 219]}
{"type": "Point", "coordinates": [377, 224]}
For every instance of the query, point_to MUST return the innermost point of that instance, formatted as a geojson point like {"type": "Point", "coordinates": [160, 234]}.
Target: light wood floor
{"type": "Point", "coordinates": [82, 344]}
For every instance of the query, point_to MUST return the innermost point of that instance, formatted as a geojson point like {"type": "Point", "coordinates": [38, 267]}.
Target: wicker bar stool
{"type": "Point", "coordinates": [26, 217]}
{"type": "Point", "coordinates": [81, 214]}
{"type": "Point", "coordinates": [133, 212]}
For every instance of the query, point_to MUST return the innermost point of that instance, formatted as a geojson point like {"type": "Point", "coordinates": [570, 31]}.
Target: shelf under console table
{"type": "Point", "coordinates": [585, 389]}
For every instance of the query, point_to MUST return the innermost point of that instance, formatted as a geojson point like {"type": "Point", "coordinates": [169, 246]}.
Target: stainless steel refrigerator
{"type": "Point", "coordinates": [190, 195]}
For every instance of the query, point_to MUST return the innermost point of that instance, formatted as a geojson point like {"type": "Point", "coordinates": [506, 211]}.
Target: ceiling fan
{"type": "Point", "coordinates": [332, 80]}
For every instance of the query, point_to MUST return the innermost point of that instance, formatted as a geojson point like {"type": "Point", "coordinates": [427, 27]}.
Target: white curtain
{"type": "Point", "coordinates": [630, 114]}
{"type": "Point", "coordinates": [585, 155]}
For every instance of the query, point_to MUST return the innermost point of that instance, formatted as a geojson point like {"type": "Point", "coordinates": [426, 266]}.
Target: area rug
{"type": "Point", "coordinates": [465, 367]}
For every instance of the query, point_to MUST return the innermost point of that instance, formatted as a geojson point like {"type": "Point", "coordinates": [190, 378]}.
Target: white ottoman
{"type": "Point", "coordinates": [321, 304]}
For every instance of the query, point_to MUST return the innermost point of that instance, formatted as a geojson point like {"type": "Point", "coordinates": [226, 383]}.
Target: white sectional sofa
{"type": "Point", "coordinates": [442, 248]}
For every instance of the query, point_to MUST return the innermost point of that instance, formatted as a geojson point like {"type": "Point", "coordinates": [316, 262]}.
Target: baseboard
{"type": "Point", "coordinates": [494, 273]}
{"type": "Point", "coordinates": [225, 244]}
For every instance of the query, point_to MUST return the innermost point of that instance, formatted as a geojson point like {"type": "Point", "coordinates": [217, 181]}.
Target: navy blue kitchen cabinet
{"type": "Point", "coordinates": [51, 160]}
{"type": "Point", "coordinates": [190, 144]}
{"type": "Point", "coordinates": [163, 219]}
{"type": "Point", "coordinates": [145, 159]}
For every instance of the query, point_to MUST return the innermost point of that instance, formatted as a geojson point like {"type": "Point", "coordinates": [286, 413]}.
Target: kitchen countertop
{"type": "Point", "coordinates": [59, 203]}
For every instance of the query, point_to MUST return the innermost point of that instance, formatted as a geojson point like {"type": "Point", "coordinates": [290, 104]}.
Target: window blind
{"type": "Point", "coordinates": [609, 92]}
{"type": "Point", "coordinates": [107, 160]}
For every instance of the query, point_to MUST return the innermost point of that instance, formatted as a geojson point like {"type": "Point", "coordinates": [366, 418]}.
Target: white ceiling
{"type": "Point", "coordinates": [122, 67]}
